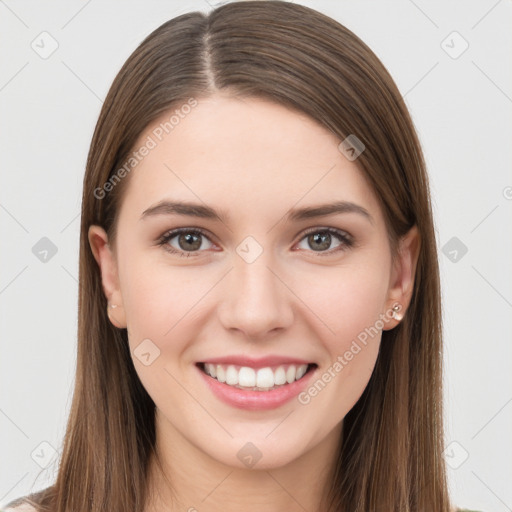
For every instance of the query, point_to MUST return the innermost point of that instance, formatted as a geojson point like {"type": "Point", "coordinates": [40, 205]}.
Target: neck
{"type": "Point", "coordinates": [185, 478]}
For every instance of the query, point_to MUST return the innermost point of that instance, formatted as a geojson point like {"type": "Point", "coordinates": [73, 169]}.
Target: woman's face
{"type": "Point", "coordinates": [266, 281]}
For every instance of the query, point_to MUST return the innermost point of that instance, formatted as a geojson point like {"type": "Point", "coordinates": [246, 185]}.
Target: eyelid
{"type": "Point", "coordinates": [320, 229]}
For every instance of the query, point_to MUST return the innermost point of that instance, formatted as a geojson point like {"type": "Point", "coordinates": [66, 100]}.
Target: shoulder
{"type": "Point", "coordinates": [455, 509]}
{"type": "Point", "coordinates": [23, 507]}
{"type": "Point", "coordinates": [24, 504]}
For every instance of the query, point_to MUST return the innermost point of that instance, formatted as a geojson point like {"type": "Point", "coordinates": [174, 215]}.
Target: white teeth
{"type": "Point", "coordinates": [211, 369]}
{"type": "Point", "coordinates": [261, 379]}
{"type": "Point", "coordinates": [290, 374]}
{"type": "Point", "coordinates": [279, 376]}
{"type": "Point", "coordinates": [247, 377]}
{"type": "Point", "coordinates": [264, 378]}
{"type": "Point", "coordinates": [221, 374]}
{"type": "Point", "coordinates": [231, 376]}
{"type": "Point", "coordinates": [301, 370]}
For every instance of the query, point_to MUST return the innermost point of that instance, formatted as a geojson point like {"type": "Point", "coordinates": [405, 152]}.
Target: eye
{"type": "Point", "coordinates": [190, 240]}
{"type": "Point", "coordinates": [321, 238]}
{"type": "Point", "coordinates": [187, 241]}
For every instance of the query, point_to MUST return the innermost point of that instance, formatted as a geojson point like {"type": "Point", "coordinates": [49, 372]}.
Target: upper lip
{"type": "Point", "coordinates": [251, 362]}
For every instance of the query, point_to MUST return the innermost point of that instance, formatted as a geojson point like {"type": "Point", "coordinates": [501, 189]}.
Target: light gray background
{"type": "Point", "coordinates": [461, 107]}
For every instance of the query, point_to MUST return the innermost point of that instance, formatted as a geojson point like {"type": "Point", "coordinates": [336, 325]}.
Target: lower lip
{"type": "Point", "coordinates": [256, 400]}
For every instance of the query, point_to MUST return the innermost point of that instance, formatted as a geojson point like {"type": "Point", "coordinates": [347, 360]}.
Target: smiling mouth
{"type": "Point", "coordinates": [251, 379]}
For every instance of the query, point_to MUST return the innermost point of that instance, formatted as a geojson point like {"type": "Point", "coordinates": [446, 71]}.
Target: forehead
{"type": "Point", "coordinates": [246, 156]}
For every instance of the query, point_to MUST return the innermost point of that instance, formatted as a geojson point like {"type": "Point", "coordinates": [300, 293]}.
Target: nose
{"type": "Point", "coordinates": [256, 299]}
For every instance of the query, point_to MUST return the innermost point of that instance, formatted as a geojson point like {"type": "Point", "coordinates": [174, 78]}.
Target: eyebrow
{"type": "Point", "coordinates": [166, 207]}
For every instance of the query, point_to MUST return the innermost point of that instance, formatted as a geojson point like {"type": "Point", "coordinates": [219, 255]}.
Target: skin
{"type": "Point", "coordinates": [254, 160]}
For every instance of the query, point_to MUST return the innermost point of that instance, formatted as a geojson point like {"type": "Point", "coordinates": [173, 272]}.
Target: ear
{"type": "Point", "coordinates": [402, 277]}
{"type": "Point", "coordinates": [98, 240]}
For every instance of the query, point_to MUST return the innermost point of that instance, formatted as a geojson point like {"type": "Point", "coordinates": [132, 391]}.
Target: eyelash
{"type": "Point", "coordinates": [346, 239]}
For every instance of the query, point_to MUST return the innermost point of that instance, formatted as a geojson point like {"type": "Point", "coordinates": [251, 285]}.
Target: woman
{"type": "Point", "coordinates": [259, 310]}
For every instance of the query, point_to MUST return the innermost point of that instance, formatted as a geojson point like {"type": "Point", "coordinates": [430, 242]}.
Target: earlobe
{"type": "Point", "coordinates": [102, 252]}
{"type": "Point", "coordinates": [402, 287]}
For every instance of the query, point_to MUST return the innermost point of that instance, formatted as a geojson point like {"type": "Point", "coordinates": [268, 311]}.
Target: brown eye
{"type": "Point", "coordinates": [320, 240]}
{"type": "Point", "coordinates": [189, 241]}
{"type": "Point", "coordinates": [184, 241]}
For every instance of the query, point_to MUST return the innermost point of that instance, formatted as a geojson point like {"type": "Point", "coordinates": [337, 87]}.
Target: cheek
{"type": "Point", "coordinates": [347, 300]}
{"type": "Point", "coordinates": [161, 304]}
{"type": "Point", "coordinates": [348, 303]}
{"type": "Point", "coordinates": [160, 301]}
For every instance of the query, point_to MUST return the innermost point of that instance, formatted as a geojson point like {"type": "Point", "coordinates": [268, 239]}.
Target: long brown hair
{"type": "Point", "coordinates": [392, 440]}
